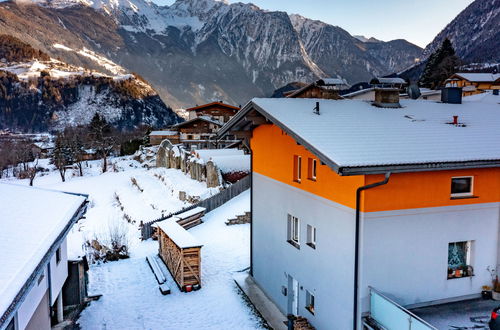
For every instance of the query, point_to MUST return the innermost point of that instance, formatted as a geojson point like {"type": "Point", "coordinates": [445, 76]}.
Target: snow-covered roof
{"type": "Point", "coordinates": [394, 80]}
{"type": "Point", "coordinates": [478, 77]}
{"type": "Point", "coordinates": [207, 154]}
{"type": "Point", "coordinates": [44, 145]}
{"type": "Point", "coordinates": [350, 134]}
{"type": "Point", "coordinates": [181, 237]}
{"type": "Point", "coordinates": [229, 164]}
{"type": "Point", "coordinates": [31, 219]}
{"type": "Point", "coordinates": [163, 133]}
{"type": "Point", "coordinates": [204, 118]}
{"type": "Point", "coordinates": [333, 81]}
{"type": "Point", "coordinates": [360, 92]}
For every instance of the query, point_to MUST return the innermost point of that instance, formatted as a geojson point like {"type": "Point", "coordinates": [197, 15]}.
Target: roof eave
{"type": "Point", "coordinates": [421, 167]}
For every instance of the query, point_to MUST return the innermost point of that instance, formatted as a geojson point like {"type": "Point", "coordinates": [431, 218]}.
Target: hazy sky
{"type": "Point", "coordinates": [417, 21]}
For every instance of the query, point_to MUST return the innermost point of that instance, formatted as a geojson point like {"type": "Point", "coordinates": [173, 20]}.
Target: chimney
{"type": "Point", "coordinates": [451, 95]}
{"type": "Point", "coordinates": [455, 120]}
{"type": "Point", "coordinates": [316, 108]}
{"type": "Point", "coordinates": [387, 98]}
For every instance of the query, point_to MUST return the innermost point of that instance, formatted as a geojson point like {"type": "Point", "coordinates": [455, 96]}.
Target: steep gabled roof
{"type": "Point", "coordinates": [208, 105]}
{"type": "Point", "coordinates": [354, 137]}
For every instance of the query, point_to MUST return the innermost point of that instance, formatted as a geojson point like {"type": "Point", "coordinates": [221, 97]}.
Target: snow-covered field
{"type": "Point", "coordinates": [131, 298]}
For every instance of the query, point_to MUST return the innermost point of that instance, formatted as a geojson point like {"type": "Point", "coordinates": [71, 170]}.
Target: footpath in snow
{"type": "Point", "coordinates": [131, 299]}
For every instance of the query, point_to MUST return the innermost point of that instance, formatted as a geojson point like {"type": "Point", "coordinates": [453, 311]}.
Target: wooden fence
{"type": "Point", "coordinates": [210, 204]}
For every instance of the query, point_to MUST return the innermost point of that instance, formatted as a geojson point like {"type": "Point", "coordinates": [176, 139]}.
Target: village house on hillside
{"type": "Point", "coordinates": [34, 264]}
{"type": "Point", "coordinates": [474, 83]}
{"type": "Point", "coordinates": [199, 131]}
{"type": "Point", "coordinates": [353, 203]}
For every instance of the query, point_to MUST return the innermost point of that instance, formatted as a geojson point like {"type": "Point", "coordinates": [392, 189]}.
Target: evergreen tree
{"type": "Point", "coordinates": [440, 66]}
{"type": "Point", "coordinates": [62, 156]}
{"type": "Point", "coordinates": [101, 138]}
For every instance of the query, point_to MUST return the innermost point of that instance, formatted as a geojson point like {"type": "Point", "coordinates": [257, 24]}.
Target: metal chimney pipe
{"type": "Point", "coordinates": [455, 120]}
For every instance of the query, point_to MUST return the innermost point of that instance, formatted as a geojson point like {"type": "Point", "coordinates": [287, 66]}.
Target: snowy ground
{"type": "Point", "coordinates": [131, 299]}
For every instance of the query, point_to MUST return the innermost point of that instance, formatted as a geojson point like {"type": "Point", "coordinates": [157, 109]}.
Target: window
{"type": "Point", "coordinates": [310, 302]}
{"type": "Point", "coordinates": [311, 172]}
{"type": "Point", "coordinates": [293, 231]}
{"type": "Point", "coordinates": [459, 259]}
{"type": "Point", "coordinates": [58, 255]}
{"type": "Point", "coordinates": [461, 186]}
{"type": "Point", "coordinates": [311, 236]}
{"type": "Point", "coordinates": [40, 279]}
{"type": "Point", "coordinates": [297, 168]}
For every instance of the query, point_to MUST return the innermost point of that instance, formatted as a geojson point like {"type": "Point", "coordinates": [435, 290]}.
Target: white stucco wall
{"type": "Point", "coordinates": [405, 253]}
{"type": "Point", "coordinates": [58, 274]}
{"type": "Point", "coordinates": [327, 271]}
{"type": "Point", "coordinates": [32, 301]}
{"type": "Point", "coordinates": [59, 271]}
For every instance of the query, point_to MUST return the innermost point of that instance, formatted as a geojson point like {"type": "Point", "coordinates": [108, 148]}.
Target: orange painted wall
{"type": "Point", "coordinates": [429, 189]}
{"type": "Point", "coordinates": [273, 153]}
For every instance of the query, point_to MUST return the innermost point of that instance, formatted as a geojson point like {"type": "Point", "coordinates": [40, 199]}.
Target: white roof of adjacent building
{"type": "Point", "coordinates": [180, 236]}
{"type": "Point", "coordinates": [207, 154]}
{"type": "Point", "coordinates": [334, 81]}
{"type": "Point", "coordinates": [354, 133]}
{"type": "Point", "coordinates": [391, 80]}
{"type": "Point", "coordinates": [163, 133]}
{"type": "Point", "coordinates": [31, 220]}
{"type": "Point", "coordinates": [479, 77]}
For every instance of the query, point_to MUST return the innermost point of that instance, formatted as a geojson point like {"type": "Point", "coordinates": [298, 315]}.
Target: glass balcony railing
{"type": "Point", "coordinates": [391, 316]}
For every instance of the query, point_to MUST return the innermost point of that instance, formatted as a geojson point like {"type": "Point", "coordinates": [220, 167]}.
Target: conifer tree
{"type": "Point", "coordinates": [440, 66]}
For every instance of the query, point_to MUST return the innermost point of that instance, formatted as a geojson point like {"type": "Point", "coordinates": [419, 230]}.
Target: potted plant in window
{"type": "Point", "coordinates": [458, 272]}
{"type": "Point", "coordinates": [450, 272]}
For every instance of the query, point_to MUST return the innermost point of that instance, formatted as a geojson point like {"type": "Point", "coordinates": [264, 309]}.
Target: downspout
{"type": "Point", "coordinates": [49, 282]}
{"type": "Point", "coordinates": [356, 251]}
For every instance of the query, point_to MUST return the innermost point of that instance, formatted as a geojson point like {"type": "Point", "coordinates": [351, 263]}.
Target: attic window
{"type": "Point", "coordinates": [297, 168]}
{"type": "Point", "coordinates": [311, 168]}
{"type": "Point", "coordinates": [462, 186]}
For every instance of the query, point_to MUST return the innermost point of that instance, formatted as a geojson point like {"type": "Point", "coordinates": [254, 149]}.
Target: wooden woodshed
{"type": "Point", "coordinates": [181, 253]}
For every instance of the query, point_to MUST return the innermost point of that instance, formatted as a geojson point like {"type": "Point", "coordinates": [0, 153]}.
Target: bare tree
{"type": "Point", "coordinates": [102, 138]}
{"type": "Point", "coordinates": [77, 142]}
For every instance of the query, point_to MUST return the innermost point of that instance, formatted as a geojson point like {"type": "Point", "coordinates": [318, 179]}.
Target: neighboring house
{"type": "Point", "coordinates": [34, 224]}
{"type": "Point", "coordinates": [44, 148]}
{"type": "Point", "coordinates": [474, 83]}
{"type": "Point", "coordinates": [403, 200]}
{"type": "Point", "coordinates": [220, 111]}
{"type": "Point", "coordinates": [155, 137]}
{"type": "Point", "coordinates": [327, 88]}
{"type": "Point", "coordinates": [201, 133]}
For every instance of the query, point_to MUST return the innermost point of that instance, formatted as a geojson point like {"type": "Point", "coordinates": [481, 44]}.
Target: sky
{"type": "Point", "coordinates": [417, 21]}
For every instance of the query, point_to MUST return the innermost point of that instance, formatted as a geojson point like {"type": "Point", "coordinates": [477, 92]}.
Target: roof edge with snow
{"type": "Point", "coordinates": [10, 312]}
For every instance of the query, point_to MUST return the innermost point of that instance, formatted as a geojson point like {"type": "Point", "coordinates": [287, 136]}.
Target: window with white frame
{"type": "Point", "coordinates": [309, 301]}
{"type": "Point", "coordinates": [312, 168]}
{"type": "Point", "coordinates": [459, 259]}
{"type": "Point", "coordinates": [297, 168]}
{"type": "Point", "coordinates": [462, 186]}
{"type": "Point", "coordinates": [293, 231]}
{"type": "Point", "coordinates": [311, 236]}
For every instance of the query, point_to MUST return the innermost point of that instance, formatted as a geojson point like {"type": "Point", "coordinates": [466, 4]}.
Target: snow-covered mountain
{"type": "Point", "coordinates": [200, 50]}
{"type": "Point", "coordinates": [474, 33]}
{"type": "Point", "coordinates": [39, 93]}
